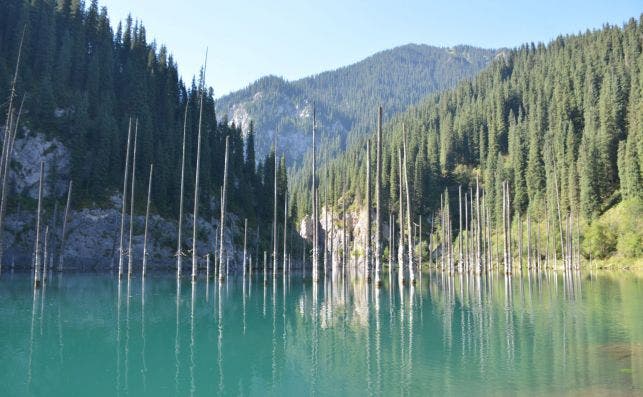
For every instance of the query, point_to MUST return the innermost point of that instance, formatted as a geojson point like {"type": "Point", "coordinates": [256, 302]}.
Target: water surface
{"type": "Point", "coordinates": [535, 334]}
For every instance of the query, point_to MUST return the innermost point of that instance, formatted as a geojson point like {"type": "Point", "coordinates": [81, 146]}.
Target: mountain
{"type": "Point", "coordinates": [562, 123]}
{"type": "Point", "coordinates": [346, 98]}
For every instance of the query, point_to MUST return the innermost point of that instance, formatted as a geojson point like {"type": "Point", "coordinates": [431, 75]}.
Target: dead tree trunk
{"type": "Point", "coordinates": [5, 163]}
{"type": "Point", "coordinates": [147, 219]}
{"type": "Point", "coordinates": [520, 241]}
{"type": "Point", "coordinates": [460, 234]}
{"type": "Point", "coordinates": [245, 241]}
{"type": "Point", "coordinates": [315, 260]}
{"type": "Point", "coordinates": [130, 249]}
{"type": "Point", "coordinates": [367, 244]}
{"type": "Point", "coordinates": [400, 250]}
{"type": "Point", "coordinates": [38, 216]}
{"type": "Point", "coordinates": [195, 257]}
{"type": "Point", "coordinates": [528, 240]}
{"type": "Point", "coordinates": [63, 235]}
{"type": "Point", "coordinates": [124, 201]}
{"type": "Point", "coordinates": [285, 234]}
{"type": "Point", "coordinates": [378, 201]}
{"type": "Point", "coordinates": [478, 261]}
{"type": "Point", "coordinates": [223, 209]}
{"type": "Point", "coordinates": [274, 214]}
{"type": "Point", "coordinates": [408, 209]}
{"type": "Point", "coordinates": [179, 248]}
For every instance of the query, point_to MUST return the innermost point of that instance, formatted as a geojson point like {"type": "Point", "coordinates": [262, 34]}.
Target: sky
{"type": "Point", "coordinates": [248, 39]}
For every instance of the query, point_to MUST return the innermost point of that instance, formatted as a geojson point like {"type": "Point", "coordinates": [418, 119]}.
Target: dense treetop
{"type": "Point", "coordinates": [566, 117]}
{"type": "Point", "coordinates": [83, 82]}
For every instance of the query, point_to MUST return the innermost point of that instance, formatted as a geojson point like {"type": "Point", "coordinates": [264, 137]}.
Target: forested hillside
{"type": "Point", "coordinates": [82, 82]}
{"type": "Point", "coordinates": [562, 123]}
{"type": "Point", "coordinates": [345, 97]}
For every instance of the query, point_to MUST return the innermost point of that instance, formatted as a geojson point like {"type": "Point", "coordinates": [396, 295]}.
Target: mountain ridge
{"type": "Point", "coordinates": [396, 78]}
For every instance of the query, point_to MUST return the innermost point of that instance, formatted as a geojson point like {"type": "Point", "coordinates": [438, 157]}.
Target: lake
{"type": "Point", "coordinates": [534, 334]}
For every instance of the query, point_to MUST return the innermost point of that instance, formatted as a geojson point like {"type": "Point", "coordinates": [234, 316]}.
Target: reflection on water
{"type": "Point", "coordinates": [535, 334]}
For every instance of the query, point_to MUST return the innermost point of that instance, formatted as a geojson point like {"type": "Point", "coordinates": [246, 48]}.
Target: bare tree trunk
{"type": "Point", "coordinates": [63, 236]}
{"type": "Point", "coordinates": [391, 233]}
{"type": "Point", "coordinates": [45, 255]}
{"type": "Point", "coordinates": [489, 242]}
{"type": "Point", "coordinates": [431, 240]}
{"type": "Point", "coordinates": [245, 241]}
{"type": "Point", "coordinates": [38, 216]}
{"type": "Point", "coordinates": [332, 231]}
{"type": "Point", "coordinates": [378, 201]}
{"type": "Point", "coordinates": [367, 244]}
{"type": "Point", "coordinates": [195, 226]}
{"type": "Point", "coordinates": [460, 233]}
{"type": "Point", "coordinates": [528, 240]}
{"type": "Point", "coordinates": [520, 241]}
{"type": "Point", "coordinates": [420, 255]}
{"type": "Point", "coordinates": [179, 249]}
{"type": "Point", "coordinates": [314, 194]}
{"type": "Point", "coordinates": [130, 253]}
{"type": "Point", "coordinates": [265, 269]}
{"type": "Point", "coordinates": [548, 237]}
{"type": "Point", "coordinates": [478, 262]}
{"type": "Point", "coordinates": [224, 197]}
{"type": "Point", "coordinates": [560, 222]}
{"type": "Point", "coordinates": [442, 237]}
{"type": "Point", "coordinates": [408, 209]}
{"type": "Point", "coordinates": [466, 233]}
{"type": "Point", "coordinates": [124, 202]}
{"type": "Point", "coordinates": [578, 242]}
{"type": "Point", "coordinates": [509, 242]}
{"type": "Point", "coordinates": [400, 251]}
{"type": "Point", "coordinates": [274, 215]}
{"type": "Point", "coordinates": [285, 234]}
{"type": "Point", "coordinates": [5, 163]}
{"type": "Point", "coordinates": [326, 229]}
{"type": "Point", "coordinates": [147, 218]}
{"type": "Point", "coordinates": [538, 247]}
{"type": "Point", "coordinates": [472, 235]}
{"type": "Point", "coordinates": [504, 226]}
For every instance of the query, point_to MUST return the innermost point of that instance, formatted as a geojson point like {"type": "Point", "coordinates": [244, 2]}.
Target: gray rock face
{"type": "Point", "coordinates": [93, 233]}
{"type": "Point", "coordinates": [29, 150]}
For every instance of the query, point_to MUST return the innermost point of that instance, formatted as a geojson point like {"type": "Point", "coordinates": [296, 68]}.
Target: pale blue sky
{"type": "Point", "coordinates": [248, 39]}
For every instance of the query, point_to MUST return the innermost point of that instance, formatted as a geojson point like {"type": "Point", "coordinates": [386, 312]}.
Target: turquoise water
{"type": "Point", "coordinates": [548, 334]}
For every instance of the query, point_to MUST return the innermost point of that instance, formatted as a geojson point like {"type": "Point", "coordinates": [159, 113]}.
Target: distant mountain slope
{"type": "Point", "coordinates": [346, 98]}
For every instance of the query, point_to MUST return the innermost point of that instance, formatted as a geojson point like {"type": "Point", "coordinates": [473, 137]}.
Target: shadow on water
{"type": "Point", "coordinates": [539, 333]}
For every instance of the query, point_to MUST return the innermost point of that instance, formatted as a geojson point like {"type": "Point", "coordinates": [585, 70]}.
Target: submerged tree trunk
{"type": "Point", "coordinates": [5, 163]}
{"type": "Point", "coordinates": [195, 257]}
{"type": "Point", "coordinates": [274, 213]}
{"type": "Point", "coordinates": [38, 216]}
{"type": "Point", "coordinates": [344, 236]}
{"type": "Point", "coordinates": [315, 261]}
{"type": "Point", "coordinates": [63, 235]}
{"type": "Point", "coordinates": [147, 218]}
{"type": "Point", "coordinates": [408, 209]}
{"type": "Point", "coordinates": [400, 250]}
{"type": "Point", "coordinates": [367, 243]}
{"type": "Point", "coordinates": [130, 253]}
{"type": "Point", "coordinates": [124, 201]}
{"type": "Point", "coordinates": [378, 201]}
{"type": "Point", "coordinates": [245, 241]}
{"type": "Point", "coordinates": [528, 240]}
{"type": "Point", "coordinates": [179, 248]}
{"type": "Point", "coordinates": [460, 234]}
{"type": "Point", "coordinates": [285, 234]}
{"type": "Point", "coordinates": [223, 209]}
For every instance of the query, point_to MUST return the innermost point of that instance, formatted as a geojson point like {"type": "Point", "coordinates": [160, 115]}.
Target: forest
{"type": "Point", "coordinates": [561, 123]}
{"type": "Point", "coordinates": [82, 83]}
